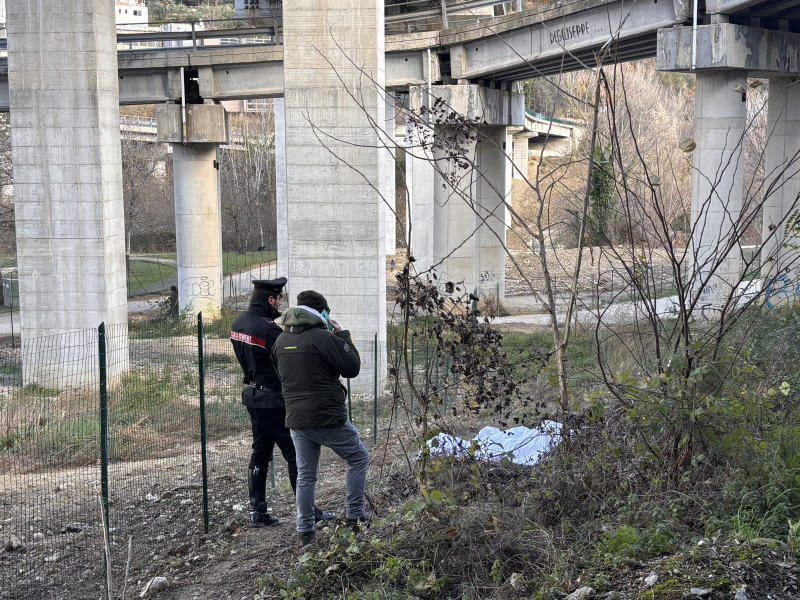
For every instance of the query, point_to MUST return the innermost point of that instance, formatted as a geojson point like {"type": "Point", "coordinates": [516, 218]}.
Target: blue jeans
{"type": "Point", "coordinates": [343, 441]}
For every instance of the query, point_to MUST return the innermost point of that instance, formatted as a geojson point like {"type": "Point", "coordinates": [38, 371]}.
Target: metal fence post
{"type": "Point", "coordinates": [447, 370]}
{"type": "Point", "coordinates": [101, 343]}
{"type": "Point", "coordinates": [375, 398]}
{"type": "Point", "coordinates": [202, 418]}
{"type": "Point", "coordinates": [412, 373]}
{"type": "Point", "coordinates": [397, 375]}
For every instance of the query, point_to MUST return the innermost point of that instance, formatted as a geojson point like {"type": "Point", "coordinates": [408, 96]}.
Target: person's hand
{"type": "Point", "coordinates": [335, 325]}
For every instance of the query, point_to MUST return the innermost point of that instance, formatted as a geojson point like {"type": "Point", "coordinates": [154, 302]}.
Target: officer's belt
{"type": "Point", "coordinates": [258, 386]}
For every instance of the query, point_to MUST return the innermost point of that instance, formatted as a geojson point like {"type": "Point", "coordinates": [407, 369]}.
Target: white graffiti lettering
{"type": "Point", "coordinates": [567, 33]}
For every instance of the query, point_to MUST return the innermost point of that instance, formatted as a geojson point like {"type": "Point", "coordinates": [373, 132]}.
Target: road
{"type": "Point", "coordinates": [615, 314]}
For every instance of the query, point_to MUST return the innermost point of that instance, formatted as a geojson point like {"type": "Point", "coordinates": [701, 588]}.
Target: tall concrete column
{"type": "Point", "coordinates": [197, 200]}
{"type": "Point", "coordinates": [64, 99]}
{"type": "Point", "coordinates": [281, 199]}
{"type": "Point", "coordinates": [493, 162]}
{"type": "Point", "coordinates": [388, 191]}
{"type": "Point", "coordinates": [419, 185]}
{"type": "Point", "coordinates": [334, 78]}
{"type": "Point", "coordinates": [781, 266]}
{"type": "Point", "coordinates": [197, 224]}
{"type": "Point", "coordinates": [521, 156]}
{"type": "Point", "coordinates": [717, 184]}
{"type": "Point", "coordinates": [454, 212]}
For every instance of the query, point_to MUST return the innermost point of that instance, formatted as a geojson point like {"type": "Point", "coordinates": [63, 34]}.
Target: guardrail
{"type": "Point", "coordinates": [401, 17]}
{"type": "Point", "coordinates": [544, 117]}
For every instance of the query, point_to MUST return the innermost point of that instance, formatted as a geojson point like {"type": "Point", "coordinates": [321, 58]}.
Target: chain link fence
{"type": "Point", "coordinates": [116, 439]}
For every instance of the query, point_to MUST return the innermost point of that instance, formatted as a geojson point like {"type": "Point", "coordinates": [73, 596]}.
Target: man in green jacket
{"type": "Point", "coordinates": [310, 356]}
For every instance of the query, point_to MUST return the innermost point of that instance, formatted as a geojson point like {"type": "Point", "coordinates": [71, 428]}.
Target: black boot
{"type": "Point", "coordinates": [257, 484]}
{"type": "Point", "coordinates": [319, 514]}
{"type": "Point", "coordinates": [356, 525]}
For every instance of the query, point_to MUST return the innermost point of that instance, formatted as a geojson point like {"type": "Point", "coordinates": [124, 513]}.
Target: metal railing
{"type": "Point", "coordinates": [402, 16]}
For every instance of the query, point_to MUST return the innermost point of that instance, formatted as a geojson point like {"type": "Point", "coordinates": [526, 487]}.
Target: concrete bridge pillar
{"type": "Point", "coordinates": [454, 210]}
{"type": "Point", "coordinates": [281, 198]}
{"type": "Point", "coordinates": [780, 266]}
{"type": "Point", "coordinates": [717, 184]}
{"type": "Point", "coordinates": [520, 153]}
{"type": "Point", "coordinates": [493, 161]}
{"type": "Point", "coordinates": [388, 190]}
{"type": "Point", "coordinates": [334, 77]}
{"type": "Point", "coordinates": [64, 100]}
{"type": "Point", "coordinates": [198, 236]}
{"type": "Point", "coordinates": [471, 183]}
{"type": "Point", "coordinates": [419, 182]}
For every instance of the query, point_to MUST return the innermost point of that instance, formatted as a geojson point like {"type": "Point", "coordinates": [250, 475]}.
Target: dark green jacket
{"type": "Point", "coordinates": [309, 360]}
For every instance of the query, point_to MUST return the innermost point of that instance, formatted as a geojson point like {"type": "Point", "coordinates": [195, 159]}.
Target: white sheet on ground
{"type": "Point", "coordinates": [524, 445]}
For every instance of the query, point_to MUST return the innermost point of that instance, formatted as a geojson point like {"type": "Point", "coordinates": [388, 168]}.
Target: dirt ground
{"type": "Point", "coordinates": [160, 507]}
{"type": "Point", "coordinates": [156, 499]}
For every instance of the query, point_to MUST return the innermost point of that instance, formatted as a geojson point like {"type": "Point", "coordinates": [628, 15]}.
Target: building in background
{"type": "Point", "coordinates": [131, 15]}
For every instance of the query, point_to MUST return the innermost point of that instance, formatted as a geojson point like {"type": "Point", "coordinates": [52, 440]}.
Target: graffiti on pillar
{"type": "Point", "coordinates": [488, 277]}
{"type": "Point", "coordinates": [709, 301]}
{"type": "Point", "coordinates": [782, 290]}
{"type": "Point", "coordinates": [198, 287]}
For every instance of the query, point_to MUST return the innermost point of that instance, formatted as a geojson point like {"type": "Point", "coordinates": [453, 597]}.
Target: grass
{"type": "Point", "coordinates": [142, 274]}
{"type": "Point", "coordinates": [8, 260]}
{"type": "Point", "coordinates": [232, 260]}
{"type": "Point", "coordinates": [11, 368]}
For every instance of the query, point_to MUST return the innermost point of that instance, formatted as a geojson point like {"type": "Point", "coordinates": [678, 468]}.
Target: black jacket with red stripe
{"type": "Point", "coordinates": [253, 333]}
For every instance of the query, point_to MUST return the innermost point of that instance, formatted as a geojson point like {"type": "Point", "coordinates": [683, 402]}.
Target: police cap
{"type": "Point", "coordinates": [269, 285]}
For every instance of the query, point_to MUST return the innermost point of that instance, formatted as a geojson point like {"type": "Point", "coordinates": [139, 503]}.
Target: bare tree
{"type": "Point", "coordinates": [145, 187]}
{"type": "Point", "coordinates": [7, 237]}
{"type": "Point", "coordinates": [248, 182]}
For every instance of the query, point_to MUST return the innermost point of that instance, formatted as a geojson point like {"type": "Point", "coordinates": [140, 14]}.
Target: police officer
{"type": "Point", "coordinates": [253, 333]}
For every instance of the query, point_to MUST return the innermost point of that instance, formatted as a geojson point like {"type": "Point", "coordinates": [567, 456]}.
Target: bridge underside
{"type": "Point", "coordinates": [758, 9]}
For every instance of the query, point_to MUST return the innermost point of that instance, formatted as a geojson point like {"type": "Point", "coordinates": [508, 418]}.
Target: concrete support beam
{"type": "Point", "coordinates": [334, 77]}
{"type": "Point", "coordinates": [725, 46]}
{"type": "Point", "coordinates": [67, 179]}
{"type": "Point", "coordinates": [717, 185]}
{"type": "Point", "coordinates": [198, 233]}
{"type": "Point", "coordinates": [780, 265]}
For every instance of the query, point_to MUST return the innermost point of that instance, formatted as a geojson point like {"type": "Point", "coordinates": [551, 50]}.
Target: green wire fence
{"type": "Point", "coordinates": [137, 431]}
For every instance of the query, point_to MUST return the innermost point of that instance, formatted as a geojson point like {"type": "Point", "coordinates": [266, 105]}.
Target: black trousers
{"type": "Point", "coordinates": [268, 430]}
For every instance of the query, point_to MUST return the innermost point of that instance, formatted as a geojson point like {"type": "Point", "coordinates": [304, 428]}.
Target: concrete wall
{"type": "Point", "coordinates": [67, 166]}
{"type": "Point", "coordinates": [336, 229]}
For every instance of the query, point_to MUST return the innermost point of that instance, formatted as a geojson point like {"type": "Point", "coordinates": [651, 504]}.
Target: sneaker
{"type": "Point", "coordinates": [321, 515]}
{"type": "Point", "coordinates": [306, 537]}
{"type": "Point", "coordinates": [262, 519]}
{"type": "Point", "coordinates": [356, 524]}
